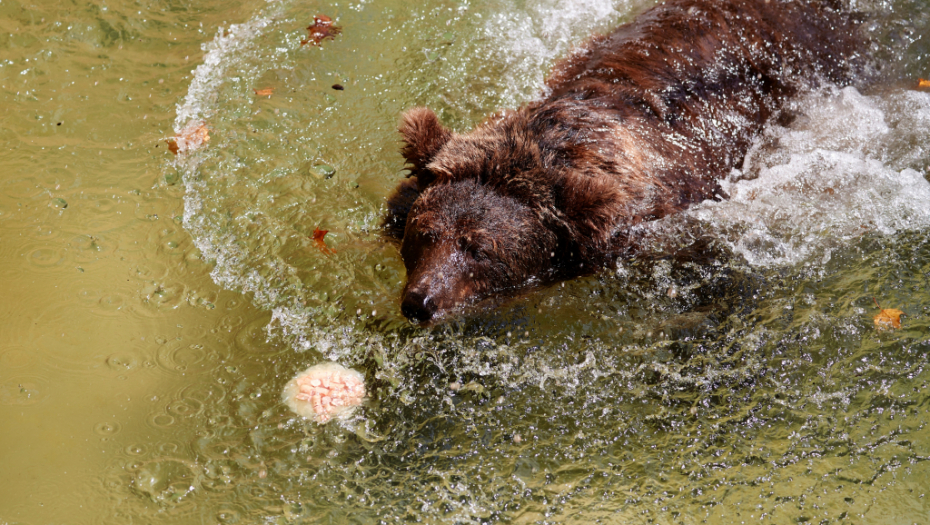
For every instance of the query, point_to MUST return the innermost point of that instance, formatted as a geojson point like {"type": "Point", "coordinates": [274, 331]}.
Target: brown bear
{"type": "Point", "coordinates": [633, 126]}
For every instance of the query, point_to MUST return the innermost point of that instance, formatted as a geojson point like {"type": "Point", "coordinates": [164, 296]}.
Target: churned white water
{"type": "Point", "coordinates": [845, 167]}
{"type": "Point", "coordinates": [529, 38]}
{"type": "Point", "coordinates": [230, 45]}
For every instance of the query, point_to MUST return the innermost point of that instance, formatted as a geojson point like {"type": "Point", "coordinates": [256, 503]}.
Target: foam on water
{"type": "Point", "coordinates": [838, 172]}
{"type": "Point", "coordinates": [528, 39]}
{"type": "Point", "coordinates": [231, 45]}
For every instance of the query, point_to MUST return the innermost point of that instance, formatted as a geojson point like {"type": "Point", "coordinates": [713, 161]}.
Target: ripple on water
{"type": "Point", "coordinates": [124, 360]}
{"type": "Point", "coordinates": [107, 428]}
{"type": "Point", "coordinates": [161, 420]}
{"type": "Point", "coordinates": [23, 188]}
{"type": "Point", "coordinates": [150, 270]}
{"type": "Point", "coordinates": [166, 481]}
{"type": "Point", "coordinates": [253, 338]}
{"type": "Point", "coordinates": [99, 212]}
{"type": "Point", "coordinates": [101, 205]}
{"type": "Point", "coordinates": [136, 449]}
{"type": "Point", "coordinates": [205, 393]}
{"type": "Point", "coordinates": [110, 305]}
{"type": "Point", "coordinates": [163, 295]}
{"type": "Point", "coordinates": [224, 474]}
{"type": "Point", "coordinates": [174, 242]}
{"type": "Point", "coordinates": [87, 248]}
{"type": "Point", "coordinates": [230, 513]}
{"type": "Point", "coordinates": [45, 232]}
{"type": "Point", "coordinates": [87, 295]}
{"type": "Point", "coordinates": [184, 408]}
{"type": "Point", "coordinates": [44, 257]}
{"type": "Point", "coordinates": [24, 390]}
{"type": "Point", "coordinates": [15, 357]}
{"type": "Point", "coordinates": [152, 210]}
{"type": "Point", "coordinates": [175, 356]}
{"type": "Point", "coordinates": [230, 323]}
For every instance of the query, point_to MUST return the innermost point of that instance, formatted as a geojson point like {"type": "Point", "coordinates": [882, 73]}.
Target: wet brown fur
{"type": "Point", "coordinates": [636, 125]}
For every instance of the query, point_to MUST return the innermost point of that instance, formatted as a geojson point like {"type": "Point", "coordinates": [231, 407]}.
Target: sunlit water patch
{"type": "Point", "coordinates": [667, 389]}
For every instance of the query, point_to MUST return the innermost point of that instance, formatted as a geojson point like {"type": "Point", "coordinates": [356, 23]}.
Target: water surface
{"type": "Point", "coordinates": [155, 305]}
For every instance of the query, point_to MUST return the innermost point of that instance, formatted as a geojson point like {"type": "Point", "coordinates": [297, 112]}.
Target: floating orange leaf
{"type": "Point", "coordinates": [318, 235]}
{"type": "Point", "coordinates": [889, 318]}
{"type": "Point", "coordinates": [267, 92]}
{"type": "Point", "coordinates": [923, 83]}
{"type": "Point", "coordinates": [194, 135]}
{"type": "Point", "coordinates": [321, 29]}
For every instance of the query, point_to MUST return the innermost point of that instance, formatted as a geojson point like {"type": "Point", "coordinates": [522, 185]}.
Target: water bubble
{"type": "Point", "coordinates": [136, 449]}
{"type": "Point", "coordinates": [107, 428]}
{"type": "Point", "coordinates": [23, 390]}
{"type": "Point", "coordinates": [90, 248]}
{"type": "Point", "coordinates": [123, 361]}
{"type": "Point", "coordinates": [163, 295]}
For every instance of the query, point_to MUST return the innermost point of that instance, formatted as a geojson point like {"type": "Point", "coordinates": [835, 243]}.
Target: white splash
{"type": "Point", "coordinates": [236, 41]}
{"type": "Point", "coordinates": [838, 172]}
{"type": "Point", "coordinates": [529, 39]}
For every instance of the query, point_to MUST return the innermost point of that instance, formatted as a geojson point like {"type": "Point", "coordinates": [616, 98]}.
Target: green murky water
{"type": "Point", "coordinates": [153, 306]}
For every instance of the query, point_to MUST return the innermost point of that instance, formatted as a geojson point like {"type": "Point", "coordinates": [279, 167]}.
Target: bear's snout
{"type": "Point", "coordinates": [418, 306]}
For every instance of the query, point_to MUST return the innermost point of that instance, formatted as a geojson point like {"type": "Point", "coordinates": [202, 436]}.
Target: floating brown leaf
{"type": "Point", "coordinates": [889, 318]}
{"type": "Point", "coordinates": [267, 92]}
{"type": "Point", "coordinates": [321, 29]}
{"type": "Point", "coordinates": [194, 135]}
{"type": "Point", "coordinates": [318, 235]}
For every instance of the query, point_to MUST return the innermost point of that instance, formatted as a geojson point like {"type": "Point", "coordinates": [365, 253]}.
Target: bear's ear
{"type": "Point", "coordinates": [423, 137]}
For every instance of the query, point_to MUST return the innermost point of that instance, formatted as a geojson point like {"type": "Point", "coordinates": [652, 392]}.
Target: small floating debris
{"type": "Point", "coordinates": [887, 318]}
{"type": "Point", "coordinates": [325, 391]}
{"type": "Point", "coordinates": [321, 29]}
{"type": "Point", "coordinates": [194, 135]}
{"type": "Point", "coordinates": [318, 236]}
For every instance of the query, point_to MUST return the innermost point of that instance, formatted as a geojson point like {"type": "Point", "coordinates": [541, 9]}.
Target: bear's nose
{"type": "Point", "coordinates": [418, 307]}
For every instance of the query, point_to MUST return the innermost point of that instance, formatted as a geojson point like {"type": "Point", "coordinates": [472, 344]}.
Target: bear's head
{"type": "Point", "coordinates": [464, 239]}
